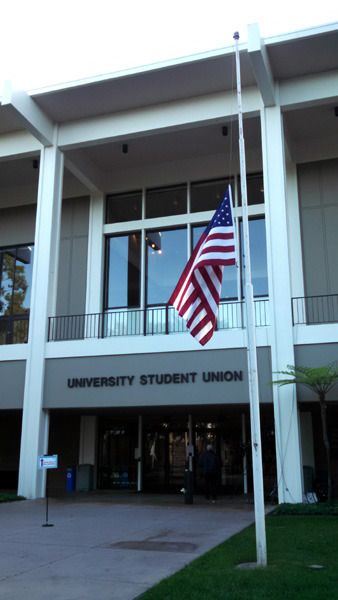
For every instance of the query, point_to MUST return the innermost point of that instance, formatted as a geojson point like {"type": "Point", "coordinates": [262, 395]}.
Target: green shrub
{"type": "Point", "coordinates": [10, 498]}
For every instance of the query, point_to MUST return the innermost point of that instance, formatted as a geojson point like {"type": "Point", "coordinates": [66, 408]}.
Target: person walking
{"type": "Point", "coordinates": [210, 466]}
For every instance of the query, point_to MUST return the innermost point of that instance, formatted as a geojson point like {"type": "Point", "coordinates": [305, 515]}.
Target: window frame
{"type": "Point", "coordinates": [187, 220]}
{"type": "Point", "coordinates": [163, 188]}
{"type": "Point", "coordinates": [106, 273]}
{"type": "Point", "coordinates": [16, 247]}
{"type": "Point", "coordinates": [121, 195]}
{"type": "Point", "coordinates": [157, 304]}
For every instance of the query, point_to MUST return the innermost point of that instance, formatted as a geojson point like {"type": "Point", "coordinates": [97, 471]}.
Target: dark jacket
{"type": "Point", "coordinates": [209, 462]}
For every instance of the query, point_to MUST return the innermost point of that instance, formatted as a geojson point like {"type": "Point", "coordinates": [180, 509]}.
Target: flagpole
{"type": "Point", "coordinates": [251, 342]}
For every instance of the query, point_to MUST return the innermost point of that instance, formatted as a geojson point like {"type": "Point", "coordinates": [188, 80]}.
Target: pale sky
{"type": "Point", "coordinates": [44, 42]}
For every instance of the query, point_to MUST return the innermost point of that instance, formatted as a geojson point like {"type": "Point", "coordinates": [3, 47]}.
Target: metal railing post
{"type": "Point", "coordinates": [166, 319]}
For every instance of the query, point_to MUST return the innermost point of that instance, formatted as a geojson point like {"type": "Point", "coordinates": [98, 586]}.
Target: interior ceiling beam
{"type": "Point", "coordinates": [309, 90]}
{"type": "Point", "coordinates": [18, 144]}
{"type": "Point", "coordinates": [30, 114]}
{"type": "Point", "coordinates": [85, 171]}
{"type": "Point", "coordinates": [261, 65]}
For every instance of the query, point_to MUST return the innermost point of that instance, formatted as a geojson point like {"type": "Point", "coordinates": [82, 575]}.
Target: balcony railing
{"type": "Point", "coordinates": [313, 310]}
{"type": "Point", "coordinates": [151, 321]}
{"type": "Point", "coordinates": [309, 310]}
{"type": "Point", "coordinates": [14, 329]}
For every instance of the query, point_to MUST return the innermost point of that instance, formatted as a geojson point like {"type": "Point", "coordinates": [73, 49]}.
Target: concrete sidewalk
{"type": "Point", "coordinates": [107, 546]}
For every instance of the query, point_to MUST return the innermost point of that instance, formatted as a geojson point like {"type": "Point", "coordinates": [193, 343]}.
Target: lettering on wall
{"type": "Point", "coordinates": [155, 379]}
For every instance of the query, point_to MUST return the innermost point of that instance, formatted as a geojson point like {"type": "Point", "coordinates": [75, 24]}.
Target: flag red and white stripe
{"type": "Point", "coordinates": [197, 293]}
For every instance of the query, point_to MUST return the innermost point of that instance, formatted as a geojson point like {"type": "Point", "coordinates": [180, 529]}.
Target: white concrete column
{"type": "Point", "coordinates": [288, 450]}
{"type": "Point", "coordinates": [34, 437]}
{"type": "Point", "coordinates": [44, 436]}
{"type": "Point", "coordinates": [95, 255]}
{"type": "Point", "coordinates": [294, 231]}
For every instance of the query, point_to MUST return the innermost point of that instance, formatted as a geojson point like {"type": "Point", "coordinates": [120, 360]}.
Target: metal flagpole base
{"type": "Point", "coordinates": [248, 565]}
{"type": "Point", "coordinates": [188, 487]}
{"type": "Point", "coordinates": [47, 525]}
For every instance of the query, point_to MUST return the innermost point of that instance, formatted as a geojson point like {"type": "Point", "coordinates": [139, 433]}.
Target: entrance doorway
{"type": "Point", "coordinates": [116, 455]}
{"type": "Point", "coordinates": [165, 440]}
{"type": "Point", "coordinates": [164, 455]}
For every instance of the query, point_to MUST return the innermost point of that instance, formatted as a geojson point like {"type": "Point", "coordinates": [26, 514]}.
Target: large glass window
{"type": "Point", "coordinates": [255, 190]}
{"type": "Point", "coordinates": [165, 250]}
{"type": "Point", "coordinates": [15, 291]}
{"type": "Point", "coordinates": [229, 282]}
{"type": "Point", "coordinates": [207, 195]}
{"type": "Point", "coordinates": [258, 261]}
{"type": "Point", "coordinates": [259, 274]}
{"type": "Point", "coordinates": [162, 202]}
{"type": "Point", "coordinates": [166, 257]}
{"type": "Point", "coordinates": [15, 280]}
{"type": "Point", "coordinates": [123, 271]}
{"type": "Point", "coordinates": [124, 207]}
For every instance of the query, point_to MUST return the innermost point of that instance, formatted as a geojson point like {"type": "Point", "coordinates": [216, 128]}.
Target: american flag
{"type": "Point", "coordinates": [196, 296]}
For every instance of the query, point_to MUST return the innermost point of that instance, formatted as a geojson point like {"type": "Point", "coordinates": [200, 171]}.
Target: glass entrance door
{"type": "Point", "coordinates": [165, 460]}
{"type": "Point", "coordinates": [226, 443]}
{"type": "Point", "coordinates": [164, 456]}
{"type": "Point", "coordinates": [117, 464]}
{"type": "Point", "coordinates": [165, 442]}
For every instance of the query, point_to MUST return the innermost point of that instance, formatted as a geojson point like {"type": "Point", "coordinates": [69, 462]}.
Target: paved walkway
{"type": "Point", "coordinates": [107, 546]}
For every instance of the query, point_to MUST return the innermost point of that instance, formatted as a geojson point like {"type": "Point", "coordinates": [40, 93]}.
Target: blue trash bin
{"type": "Point", "coordinates": [70, 479]}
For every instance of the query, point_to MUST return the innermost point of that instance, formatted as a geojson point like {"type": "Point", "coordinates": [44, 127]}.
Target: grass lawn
{"type": "Point", "coordinates": [293, 542]}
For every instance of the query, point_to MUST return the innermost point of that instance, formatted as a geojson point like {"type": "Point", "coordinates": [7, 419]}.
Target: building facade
{"type": "Point", "coordinates": [105, 187]}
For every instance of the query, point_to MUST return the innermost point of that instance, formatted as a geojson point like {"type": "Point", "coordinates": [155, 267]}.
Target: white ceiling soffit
{"type": "Point", "coordinates": [152, 87]}
{"type": "Point", "coordinates": [9, 120]}
{"type": "Point", "coordinates": [311, 51]}
{"type": "Point", "coordinates": [314, 52]}
{"type": "Point", "coordinates": [289, 56]}
{"type": "Point", "coordinates": [172, 146]}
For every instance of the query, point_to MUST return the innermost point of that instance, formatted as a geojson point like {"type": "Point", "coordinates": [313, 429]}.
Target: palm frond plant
{"type": "Point", "coordinates": [320, 380]}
